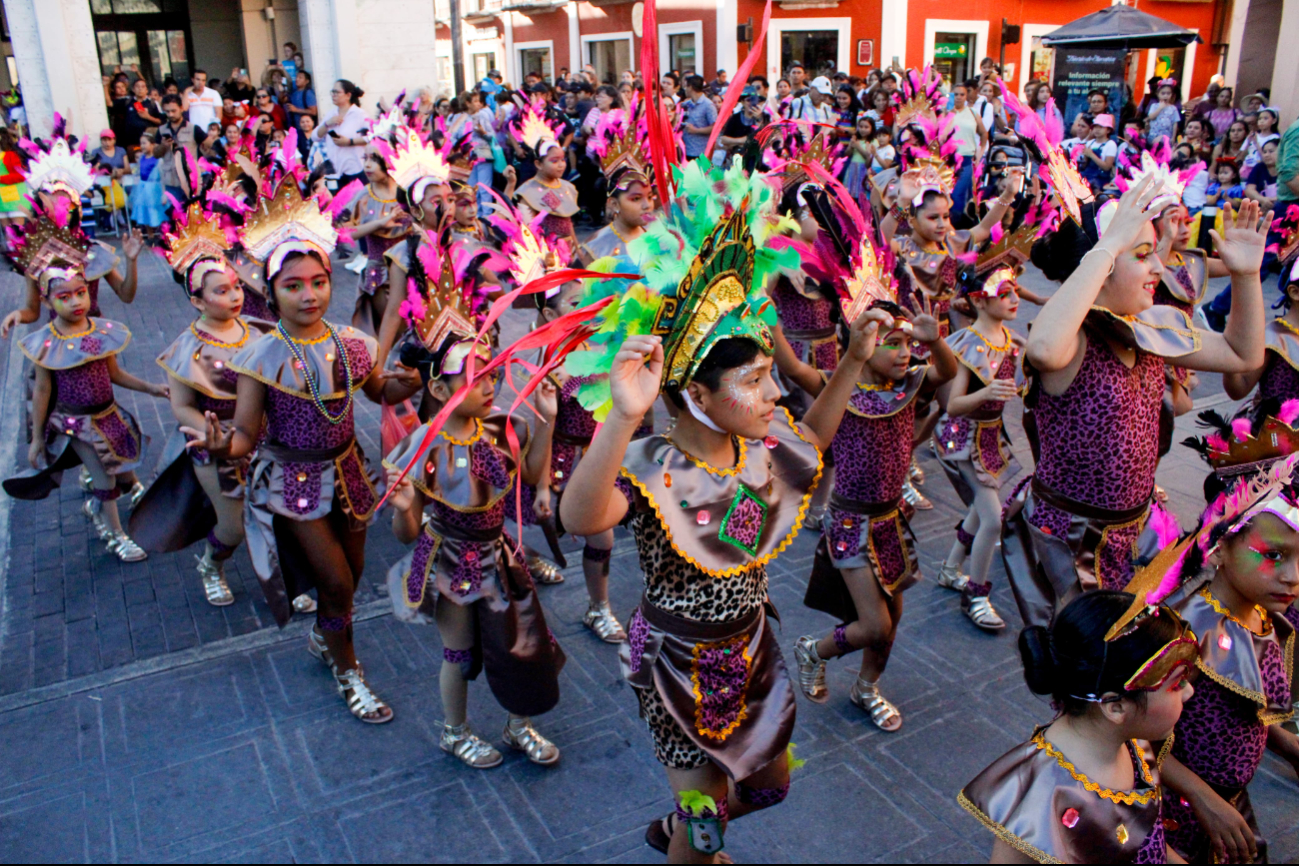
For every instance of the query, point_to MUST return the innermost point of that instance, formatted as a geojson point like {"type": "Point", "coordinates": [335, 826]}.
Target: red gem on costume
{"type": "Point", "coordinates": [297, 365]}
{"type": "Point", "coordinates": [302, 503]}
{"type": "Point", "coordinates": [667, 479]}
{"type": "Point", "coordinates": [841, 546]}
{"type": "Point", "coordinates": [471, 555]}
{"type": "Point", "coordinates": [703, 518]}
{"type": "Point", "coordinates": [108, 326]}
{"type": "Point", "coordinates": [901, 396]}
{"type": "Point", "coordinates": [1172, 825]}
{"type": "Point", "coordinates": [47, 343]}
{"type": "Point", "coordinates": [1185, 803]}
{"type": "Point", "coordinates": [1069, 818]}
{"type": "Point", "coordinates": [771, 441]}
{"type": "Point", "coordinates": [1045, 529]}
{"type": "Point", "coordinates": [428, 467]}
{"type": "Point", "coordinates": [1224, 641]}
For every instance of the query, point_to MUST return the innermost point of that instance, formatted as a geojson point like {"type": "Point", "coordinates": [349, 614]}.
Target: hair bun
{"type": "Point", "coordinates": [1039, 661]}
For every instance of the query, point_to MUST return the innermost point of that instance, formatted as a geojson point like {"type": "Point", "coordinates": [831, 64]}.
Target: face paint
{"type": "Point", "coordinates": [742, 387]}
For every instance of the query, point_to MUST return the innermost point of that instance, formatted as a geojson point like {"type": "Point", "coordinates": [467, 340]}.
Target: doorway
{"type": "Point", "coordinates": [151, 35]}
{"type": "Point", "coordinates": [817, 50]}
{"type": "Point", "coordinates": [954, 57]}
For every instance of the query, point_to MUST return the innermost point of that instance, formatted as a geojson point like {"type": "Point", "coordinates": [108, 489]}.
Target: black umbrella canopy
{"type": "Point", "coordinates": [1121, 27]}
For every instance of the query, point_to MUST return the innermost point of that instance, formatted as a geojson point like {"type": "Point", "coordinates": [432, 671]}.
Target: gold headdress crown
{"type": "Point", "coordinates": [414, 158]}
{"type": "Point", "coordinates": [1013, 248]}
{"type": "Point", "coordinates": [447, 311]}
{"type": "Point", "coordinates": [45, 244]}
{"type": "Point", "coordinates": [286, 216]}
{"type": "Point", "coordinates": [625, 150]}
{"type": "Point", "coordinates": [1274, 441]}
{"type": "Point", "coordinates": [201, 236]}
{"type": "Point", "coordinates": [535, 132]}
{"type": "Point", "coordinates": [60, 170]}
{"type": "Point", "coordinates": [932, 172]}
{"type": "Point", "coordinates": [919, 105]}
{"type": "Point", "coordinates": [868, 283]}
{"type": "Point", "coordinates": [1067, 183]}
{"type": "Point", "coordinates": [795, 171]}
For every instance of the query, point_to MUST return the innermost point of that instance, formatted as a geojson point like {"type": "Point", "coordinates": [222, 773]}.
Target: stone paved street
{"type": "Point", "coordinates": [137, 723]}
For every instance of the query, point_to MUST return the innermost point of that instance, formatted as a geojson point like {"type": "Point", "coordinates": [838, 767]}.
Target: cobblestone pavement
{"type": "Point", "coordinates": [137, 723]}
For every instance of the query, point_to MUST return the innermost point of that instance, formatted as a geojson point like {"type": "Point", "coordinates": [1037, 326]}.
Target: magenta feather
{"type": "Point", "coordinates": [413, 308]}
{"type": "Point", "coordinates": [344, 198]}
{"type": "Point", "coordinates": [1217, 443]}
{"type": "Point", "coordinates": [1289, 412]}
{"type": "Point", "coordinates": [1241, 429]}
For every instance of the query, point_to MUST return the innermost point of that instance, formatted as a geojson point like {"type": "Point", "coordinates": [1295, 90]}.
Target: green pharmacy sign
{"type": "Point", "coordinates": [950, 50]}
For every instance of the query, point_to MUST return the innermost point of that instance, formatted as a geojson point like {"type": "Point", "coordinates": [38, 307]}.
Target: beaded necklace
{"type": "Point", "coordinates": [312, 382]}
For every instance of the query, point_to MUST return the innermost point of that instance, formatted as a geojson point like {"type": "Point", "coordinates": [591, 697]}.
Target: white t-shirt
{"type": "Point", "coordinates": [1108, 149]}
{"type": "Point", "coordinates": [350, 159]}
{"type": "Point", "coordinates": [204, 108]}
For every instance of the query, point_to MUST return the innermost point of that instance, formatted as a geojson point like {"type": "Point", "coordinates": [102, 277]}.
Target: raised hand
{"type": "Point", "coordinates": [1130, 216]}
{"type": "Point", "coordinates": [924, 327]}
{"type": "Point", "coordinates": [1243, 238]}
{"type": "Point", "coordinates": [132, 245]}
{"type": "Point", "coordinates": [211, 438]}
{"type": "Point", "coordinates": [865, 331]}
{"type": "Point", "coordinates": [541, 504]}
{"type": "Point", "coordinates": [635, 375]}
{"type": "Point", "coordinates": [546, 400]}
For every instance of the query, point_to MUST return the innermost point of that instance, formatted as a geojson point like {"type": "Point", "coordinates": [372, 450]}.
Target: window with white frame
{"type": "Point", "coordinates": [610, 55]}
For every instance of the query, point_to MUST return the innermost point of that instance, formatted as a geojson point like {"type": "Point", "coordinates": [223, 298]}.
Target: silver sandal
{"type": "Point", "coordinates": [304, 604]}
{"type": "Point", "coordinates": [544, 572]}
{"type": "Point", "coordinates": [521, 735]}
{"type": "Point", "coordinates": [472, 750]}
{"type": "Point", "coordinates": [214, 581]}
{"type": "Point", "coordinates": [811, 670]}
{"type": "Point", "coordinates": [125, 549]}
{"type": "Point", "coordinates": [600, 619]}
{"type": "Point", "coordinates": [950, 577]}
{"type": "Point", "coordinates": [915, 474]}
{"type": "Point", "coordinates": [866, 696]}
{"type": "Point", "coordinates": [136, 493]}
{"type": "Point", "coordinates": [915, 498]}
{"type": "Point", "coordinates": [317, 647]}
{"type": "Point", "coordinates": [361, 701]}
{"type": "Point", "coordinates": [981, 612]}
{"type": "Point", "coordinates": [93, 510]}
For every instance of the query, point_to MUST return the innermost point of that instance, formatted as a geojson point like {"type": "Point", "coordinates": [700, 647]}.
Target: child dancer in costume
{"type": "Point", "coordinates": [1278, 378]}
{"type": "Point", "coordinates": [310, 493]}
{"type": "Point", "coordinates": [464, 574]}
{"type": "Point", "coordinates": [1095, 363]}
{"type": "Point", "coordinates": [867, 554]}
{"type": "Point", "coordinates": [971, 440]}
{"type": "Point", "coordinates": [710, 504]}
{"type": "Point", "coordinates": [619, 142]}
{"type": "Point", "coordinates": [382, 223]}
{"type": "Point", "coordinates": [74, 416]}
{"type": "Point", "coordinates": [196, 496]}
{"type": "Point", "coordinates": [1084, 789]}
{"type": "Point", "coordinates": [1239, 576]}
{"type": "Point", "coordinates": [545, 196]}
{"type": "Point", "coordinates": [59, 177]}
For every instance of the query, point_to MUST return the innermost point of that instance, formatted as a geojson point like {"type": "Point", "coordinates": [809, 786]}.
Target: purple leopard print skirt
{"type": "Point", "coordinates": [984, 445]}
{"type": "Point", "coordinates": [302, 485]}
{"type": "Point", "coordinates": [1054, 548]}
{"type": "Point", "coordinates": [870, 535]}
{"type": "Point", "coordinates": [113, 432]}
{"type": "Point", "coordinates": [724, 686]}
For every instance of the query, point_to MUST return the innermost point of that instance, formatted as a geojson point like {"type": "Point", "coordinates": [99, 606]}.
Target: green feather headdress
{"type": "Point", "coordinates": [705, 266]}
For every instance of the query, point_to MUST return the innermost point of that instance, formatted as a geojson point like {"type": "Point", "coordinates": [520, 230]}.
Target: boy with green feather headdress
{"type": "Point", "coordinates": [711, 503]}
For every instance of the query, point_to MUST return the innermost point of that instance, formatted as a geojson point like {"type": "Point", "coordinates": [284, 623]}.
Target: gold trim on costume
{"type": "Point", "coordinates": [1125, 798]}
{"type": "Point", "coordinates": [108, 443]}
{"type": "Point", "coordinates": [1002, 833]}
{"type": "Point", "coordinates": [1104, 539]}
{"type": "Point", "coordinates": [743, 712]}
{"type": "Point", "coordinates": [708, 467]}
{"type": "Point", "coordinates": [1220, 609]}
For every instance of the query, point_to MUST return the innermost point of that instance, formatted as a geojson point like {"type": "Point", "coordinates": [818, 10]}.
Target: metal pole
{"type": "Point", "coordinates": [457, 49]}
{"type": "Point", "coordinates": [1001, 61]}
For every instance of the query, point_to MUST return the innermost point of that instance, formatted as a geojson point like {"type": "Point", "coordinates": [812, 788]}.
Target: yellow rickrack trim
{"type": "Point", "coordinates": [204, 337]}
{"type": "Point", "coordinates": [1126, 798]}
{"type": "Point", "coordinates": [62, 336]}
{"type": "Point", "coordinates": [1165, 750]}
{"type": "Point", "coordinates": [316, 342]}
{"type": "Point", "coordinates": [1281, 320]}
{"type": "Point", "coordinates": [1222, 611]}
{"type": "Point", "coordinates": [976, 453]}
{"type": "Point", "coordinates": [762, 560]}
{"type": "Point", "coordinates": [1105, 537]}
{"type": "Point", "coordinates": [110, 353]}
{"type": "Point", "coordinates": [369, 189]}
{"type": "Point", "coordinates": [709, 468]}
{"type": "Point", "coordinates": [463, 509]}
{"type": "Point", "coordinates": [743, 713]}
{"type": "Point", "coordinates": [477, 434]}
{"type": "Point", "coordinates": [192, 385]}
{"type": "Point", "coordinates": [1287, 653]}
{"type": "Point", "coordinates": [895, 517]}
{"type": "Point", "coordinates": [1005, 339]}
{"type": "Point", "coordinates": [904, 405]}
{"type": "Point", "coordinates": [1002, 833]}
{"type": "Point", "coordinates": [1131, 321]}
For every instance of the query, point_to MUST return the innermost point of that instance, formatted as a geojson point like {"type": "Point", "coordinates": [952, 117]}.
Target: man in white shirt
{"type": "Point", "coordinates": [202, 103]}
{"type": "Point", "coordinates": [814, 106]}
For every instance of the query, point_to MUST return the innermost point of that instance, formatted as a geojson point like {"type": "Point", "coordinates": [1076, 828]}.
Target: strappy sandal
{"type": "Point", "coordinates": [867, 697]}
{"type": "Point", "coordinates": [521, 735]}
{"type": "Point", "coordinates": [136, 493]}
{"type": "Point", "coordinates": [469, 748]}
{"type": "Point", "coordinates": [658, 835]}
{"type": "Point", "coordinates": [915, 498]}
{"type": "Point", "coordinates": [214, 582]}
{"type": "Point", "coordinates": [915, 473]}
{"type": "Point", "coordinates": [317, 647]}
{"type": "Point", "coordinates": [811, 670]}
{"type": "Point", "coordinates": [981, 612]}
{"type": "Point", "coordinates": [360, 700]}
{"type": "Point", "coordinates": [544, 572]}
{"type": "Point", "coordinates": [92, 509]}
{"type": "Point", "coordinates": [950, 577]}
{"type": "Point", "coordinates": [600, 619]}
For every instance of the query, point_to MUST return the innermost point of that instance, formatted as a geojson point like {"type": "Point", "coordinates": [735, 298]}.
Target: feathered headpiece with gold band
{"type": "Point", "coordinates": [705, 266]}
{"type": "Point", "coordinates": [195, 234]}
{"type": "Point", "coordinates": [931, 163]}
{"type": "Point", "coordinates": [846, 252]}
{"type": "Point", "coordinates": [443, 311]}
{"type": "Point", "coordinates": [820, 150]}
{"type": "Point", "coordinates": [532, 253]}
{"type": "Point", "coordinates": [535, 130]}
{"type": "Point", "coordinates": [59, 169]}
{"type": "Point", "coordinates": [1058, 168]}
{"type": "Point", "coordinates": [918, 96]}
{"type": "Point", "coordinates": [619, 141]}
{"type": "Point", "coordinates": [1261, 435]}
{"type": "Point", "coordinates": [412, 158]}
{"type": "Point", "coordinates": [44, 243]}
{"type": "Point", "coordinates": [285, 223]}
{"type": "Point", "coordinates": [1263, 488]}
{"type": "Point", "coordinates": [1154, 163]}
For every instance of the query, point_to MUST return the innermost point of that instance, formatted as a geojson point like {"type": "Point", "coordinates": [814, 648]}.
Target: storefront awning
{"type": "Point", "coordinates": [1121, 27]}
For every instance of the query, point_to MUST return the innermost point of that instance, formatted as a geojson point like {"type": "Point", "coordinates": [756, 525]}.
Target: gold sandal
{"type": "Point", "coordinates": [521, 735]}
{"type": "Point", "coordinates": [544, 572]}
{"type": "Point", "coordinates": [360, 700]}
{"type": "Point", "coordinates": [214, 581]}
{"type": "Point", "coordinates": [600, 619]}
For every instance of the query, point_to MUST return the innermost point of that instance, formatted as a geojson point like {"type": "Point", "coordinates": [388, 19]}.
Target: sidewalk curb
{"type": "Point", "coordinates": [250, 642]}
{"type": "Point", "coordinates": [10, 396]}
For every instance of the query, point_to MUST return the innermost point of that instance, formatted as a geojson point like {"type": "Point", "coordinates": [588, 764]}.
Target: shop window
{"type": "Point", "coordinates": [609, 57]}
{"type": "Point", "coordinates": [817, 50]}
{"type": "Point", "coordinates": [1041, 61]}
{"type": "Point", "coordinates": [483, 63]}
{"type": "Point", "coordinates": [535, 60]}
{"type": "Point", "coordinates": [954, 57]}
{"type": "Point", "coordinates": [681, 53]}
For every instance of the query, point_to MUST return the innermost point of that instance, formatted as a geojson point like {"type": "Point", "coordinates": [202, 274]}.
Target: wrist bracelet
{"type": "Point", "coordinates": [1103, 251]}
